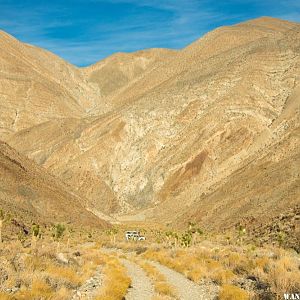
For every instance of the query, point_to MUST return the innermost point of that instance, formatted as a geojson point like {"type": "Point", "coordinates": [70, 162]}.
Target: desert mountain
{"type": "Point", "coordinates": [37, 86]}
{"type": "Point", "coordinates": [210, 132]}
{"type": "Point", "coordinates": [28, 191]}
{"type": "Point", "coordinates": [117, 71]}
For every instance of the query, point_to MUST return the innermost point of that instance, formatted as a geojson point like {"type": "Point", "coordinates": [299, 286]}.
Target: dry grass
{"type": "Point", "coordinates": [116, 280]}
{"type": "Point", "coordinates": [231, 292]}
{"type": "Point", "coordinates": [39, 290]}
{"type": "Point", "coordinates": [151, 271]}
{"type": "Point", "coordinates": [276, 269]}
{"type": "Point", "coordinates": [61, 294]}
{"type": "Point", "coordinates": [222, 276]}
{"type": "Point", "coordinates": [195, 274]}
{"type": "Point", "coordinates": [179, 261]}
{"type": "Point", "coordinates": [4, 296]}
{"type": "Point", "coordinates": [283, 274]}
{"type": "Point", "coordinates": [66, 274]}
{"type": "Point", "coordinates": [39, 274]}
{"type": "Point", "coordinates": [161, 286]}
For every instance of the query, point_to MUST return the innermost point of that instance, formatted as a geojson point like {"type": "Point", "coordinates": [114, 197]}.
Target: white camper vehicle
{"type": "Point", "coordinates": [134, 235]}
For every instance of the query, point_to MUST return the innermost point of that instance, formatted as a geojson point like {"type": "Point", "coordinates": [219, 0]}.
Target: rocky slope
{"type": "Point", "coordinates": [29, 192]}
{"type": "Point", "coordinates": [121, 69]}
{"type": "Point", "coordinates": [210, 132]}
{"type": "Point", "coordinates": [37, 86]}
{"type": "Point", "coordinates": [283, 229]}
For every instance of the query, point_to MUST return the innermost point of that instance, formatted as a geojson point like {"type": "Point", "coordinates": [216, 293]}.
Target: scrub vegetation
{"type": "Point", "coordinates": [55, 261]}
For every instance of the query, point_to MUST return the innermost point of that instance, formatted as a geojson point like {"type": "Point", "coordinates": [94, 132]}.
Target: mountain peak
{"type": "Point", "coordinates": [271, 23]}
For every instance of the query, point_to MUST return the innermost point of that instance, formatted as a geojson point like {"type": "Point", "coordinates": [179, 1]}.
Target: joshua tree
{"type": "Point", "coordinates": [169, 235]}
{"type": "Point", "coordinates": [192, 225]}
{"type": "Point", "coordinates": [186, 239]}
{"type": "Point", "coordinates": [281, 237]}
{"type": "Point", "coordinates": [172, 238]}
{"type": "Point", "coordinates": [35, 229]}
{"type": "Point", "coordinates": [59, 230]}
{"type": "Point", "coordinates": [191, 234]}
{"type": "Point", "coordinates": [112, 233]}
{"type": "Point", "coordinates": [21, 236]}
{"type": "Point", "coordinates": [1, 223]}
{"type": "Point", "coordinates": [241, 232]}
{"type": "Point", "coordinates": [189, 237]}
{"type": "Point", "coordinates": [176, 239]}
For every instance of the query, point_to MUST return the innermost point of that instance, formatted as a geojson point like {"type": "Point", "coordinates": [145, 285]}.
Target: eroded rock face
{"type": "Point", "coordinates": [186, 134]}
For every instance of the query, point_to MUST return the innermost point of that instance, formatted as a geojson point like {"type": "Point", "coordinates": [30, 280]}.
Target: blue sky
{"type": "Point", "coordinates": [85, 31]}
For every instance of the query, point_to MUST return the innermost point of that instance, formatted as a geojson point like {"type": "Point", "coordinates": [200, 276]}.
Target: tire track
{"type": "Point", "coordinates": [141, 286]}
{"type": "Point", "coordinates": [187, 289]}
